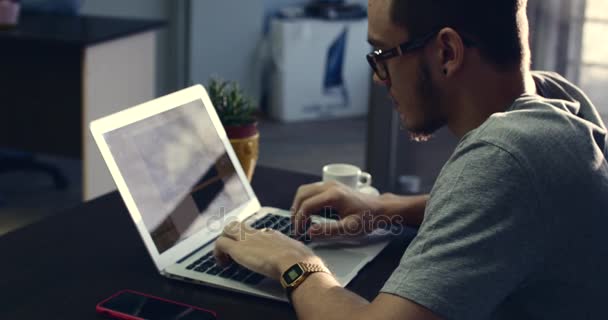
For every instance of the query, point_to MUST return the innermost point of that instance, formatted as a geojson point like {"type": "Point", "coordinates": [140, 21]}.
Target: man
{"type": "Point", "coordinates": [514, 225]}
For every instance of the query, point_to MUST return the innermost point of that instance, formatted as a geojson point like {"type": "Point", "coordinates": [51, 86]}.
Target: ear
{"type": "Point", "coordinates": [450, 51]}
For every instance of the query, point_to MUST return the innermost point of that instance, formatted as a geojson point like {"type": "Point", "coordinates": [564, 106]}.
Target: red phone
{"type": "Point", "coordinates": [132, 305]}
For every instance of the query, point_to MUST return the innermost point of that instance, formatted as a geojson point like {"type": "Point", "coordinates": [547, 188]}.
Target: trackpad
{"type": "Point", "coordinates": [340, 262]}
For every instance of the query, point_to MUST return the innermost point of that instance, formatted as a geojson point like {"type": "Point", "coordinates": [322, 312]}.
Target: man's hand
{"type": "Point", "coordinates": [266, 252]}
{"type": "Point", "coordinates": [359, 213]}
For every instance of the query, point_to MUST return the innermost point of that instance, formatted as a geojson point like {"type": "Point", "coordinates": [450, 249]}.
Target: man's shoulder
{"type": "Point", "coordinates": [533, 125]}
{"type": "Point", "coordinates": [558, 110]}
{"type": "Point", "coordinates": [528, 118]}
{"type": "Point", "coordinates": [517, 131]}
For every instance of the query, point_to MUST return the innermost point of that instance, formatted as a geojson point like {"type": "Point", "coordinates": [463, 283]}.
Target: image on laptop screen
{"type": "Point", "coordinates": [178, 172]}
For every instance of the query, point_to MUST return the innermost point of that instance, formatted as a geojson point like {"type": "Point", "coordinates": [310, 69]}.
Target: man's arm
{"type": "Point", "coordinates": [321, 297]}
{"type": "Point", "coordinates": [408, 210]}
{"type": "Point", "coordinates": [354, 208]}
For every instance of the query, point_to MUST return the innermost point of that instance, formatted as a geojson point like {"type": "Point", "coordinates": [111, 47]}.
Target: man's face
{"type": "Point", "coordinates": [410, 83]}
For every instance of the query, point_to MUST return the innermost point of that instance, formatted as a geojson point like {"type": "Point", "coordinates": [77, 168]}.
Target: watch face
{"type": "Point", "coordinates": [292, 274]}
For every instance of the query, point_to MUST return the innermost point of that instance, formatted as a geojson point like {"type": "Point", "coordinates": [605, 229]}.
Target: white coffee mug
{"type": "Point", "coordinates": [349, 175]}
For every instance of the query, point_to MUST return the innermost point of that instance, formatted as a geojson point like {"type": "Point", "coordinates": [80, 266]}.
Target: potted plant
{"type": "Point", "coordinates": [237, 114]}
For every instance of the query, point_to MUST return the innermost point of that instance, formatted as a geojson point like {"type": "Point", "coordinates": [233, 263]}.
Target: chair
{"type": "Point", "coordinates": [11, 161]}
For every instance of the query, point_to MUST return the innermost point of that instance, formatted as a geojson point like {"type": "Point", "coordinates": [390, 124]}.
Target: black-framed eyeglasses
{"type": "Point", "coordinates": [377, 59]}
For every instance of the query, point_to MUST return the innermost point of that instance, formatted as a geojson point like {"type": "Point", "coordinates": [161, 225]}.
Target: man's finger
{"type": "Point", "coordinates": [223, 249]}
{"type": "Point", "coordinates": [246, 227]}
{"type": "Point", "coordinates": [313, 205]}
{"type": "Point", "coordinates": [238, 231]}
{"type": "Point", "coordinates": [232, 230]}
{"type": "Point", "coordinates": [305, 192]}
{"type": "Point", "coordinates": [348, 226]}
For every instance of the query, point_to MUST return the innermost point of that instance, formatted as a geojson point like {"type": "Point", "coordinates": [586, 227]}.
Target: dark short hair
{"type": "Point", "coordinates": [492, 24]}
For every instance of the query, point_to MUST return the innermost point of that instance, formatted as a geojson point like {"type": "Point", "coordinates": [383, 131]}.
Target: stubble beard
{"type": "Point", "coordinates": [429, 99]}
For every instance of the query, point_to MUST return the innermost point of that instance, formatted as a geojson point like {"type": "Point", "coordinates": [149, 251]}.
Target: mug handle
{"type": "Point", "coordinates": [365, 180]}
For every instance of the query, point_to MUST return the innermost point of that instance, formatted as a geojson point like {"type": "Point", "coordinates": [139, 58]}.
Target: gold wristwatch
{"type": "Point", "coordinates": [296, 274]}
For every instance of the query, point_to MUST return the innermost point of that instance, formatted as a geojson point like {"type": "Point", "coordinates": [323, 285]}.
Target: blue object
{"type": "Point", "coordinates": [334, 70]}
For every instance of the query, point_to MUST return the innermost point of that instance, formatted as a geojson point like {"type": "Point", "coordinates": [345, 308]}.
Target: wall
{"type": "Point", "coordinates": [167, 78]}
{"type": "Point", "coordinates": [225, 40]}
{"type": "Point", "coordinates": [132, 8]}
{"type": "Point", "coordinates": [224, 36]}
{"type": "Point", "coordinates": [203, 37]}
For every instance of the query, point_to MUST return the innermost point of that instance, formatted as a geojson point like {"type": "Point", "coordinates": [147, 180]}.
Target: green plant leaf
{"type": "Point", "coordinates": [232, 106]}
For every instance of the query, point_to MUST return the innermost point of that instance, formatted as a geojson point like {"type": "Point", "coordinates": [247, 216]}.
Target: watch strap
{"type": "Point", "coordinates": [313, 267]}
{"type": "Point", "coordinates": [308, 268]}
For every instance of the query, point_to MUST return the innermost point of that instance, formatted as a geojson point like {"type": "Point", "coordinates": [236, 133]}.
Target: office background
{"type": "Point", "coordinates": [199, 40]}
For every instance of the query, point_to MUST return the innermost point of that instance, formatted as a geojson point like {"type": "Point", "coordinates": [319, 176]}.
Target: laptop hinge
{"type": "Point", "coordinates": [195, 251]}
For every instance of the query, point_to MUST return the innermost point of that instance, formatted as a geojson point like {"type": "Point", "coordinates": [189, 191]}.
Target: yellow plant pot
{"type": "Point", "coordinates": [248, 151]}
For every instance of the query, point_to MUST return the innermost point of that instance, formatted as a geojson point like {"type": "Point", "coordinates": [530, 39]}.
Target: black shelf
{"type": "Point", "coordinates": [76, 30]}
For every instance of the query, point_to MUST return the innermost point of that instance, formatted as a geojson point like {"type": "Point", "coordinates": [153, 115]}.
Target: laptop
{"type": "Point", "coordinates": [182, 184]}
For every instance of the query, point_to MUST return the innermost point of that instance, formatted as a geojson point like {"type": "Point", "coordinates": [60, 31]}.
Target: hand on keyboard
{"type": "Point", "coordinates": [282, 224]}
{"type": "Point", "coordinates": [358, 213]}
{"type": "Point", "coordinates": [262, 247]}
{"type": "Point", "coordinates": [207, 264]}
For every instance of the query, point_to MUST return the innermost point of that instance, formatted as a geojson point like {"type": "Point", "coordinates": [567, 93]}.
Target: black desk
{"type": "Point", "coordinates": [62, 267]}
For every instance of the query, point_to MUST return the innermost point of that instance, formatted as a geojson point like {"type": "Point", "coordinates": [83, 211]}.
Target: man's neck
{"type": "Point", "coordinates": [489, 92]}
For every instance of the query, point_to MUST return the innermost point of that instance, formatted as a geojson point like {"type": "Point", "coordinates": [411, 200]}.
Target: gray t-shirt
{"type": "Point", "coordinates": [516, 226]}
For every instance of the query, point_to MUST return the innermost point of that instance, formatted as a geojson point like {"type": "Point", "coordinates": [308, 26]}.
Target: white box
{"type": "Point", "coordinates": [300, 51]}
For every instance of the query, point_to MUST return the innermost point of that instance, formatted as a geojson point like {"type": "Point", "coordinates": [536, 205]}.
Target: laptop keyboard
{"type": "Point", "coordinates": [208, 265]}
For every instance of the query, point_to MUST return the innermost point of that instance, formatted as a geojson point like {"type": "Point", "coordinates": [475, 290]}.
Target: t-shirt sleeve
{"type": "Point", "coordinates": [480, 239]}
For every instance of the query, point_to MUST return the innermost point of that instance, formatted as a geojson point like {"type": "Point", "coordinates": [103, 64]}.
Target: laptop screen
{"type": "Point", "coordinates": [178, 173]}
